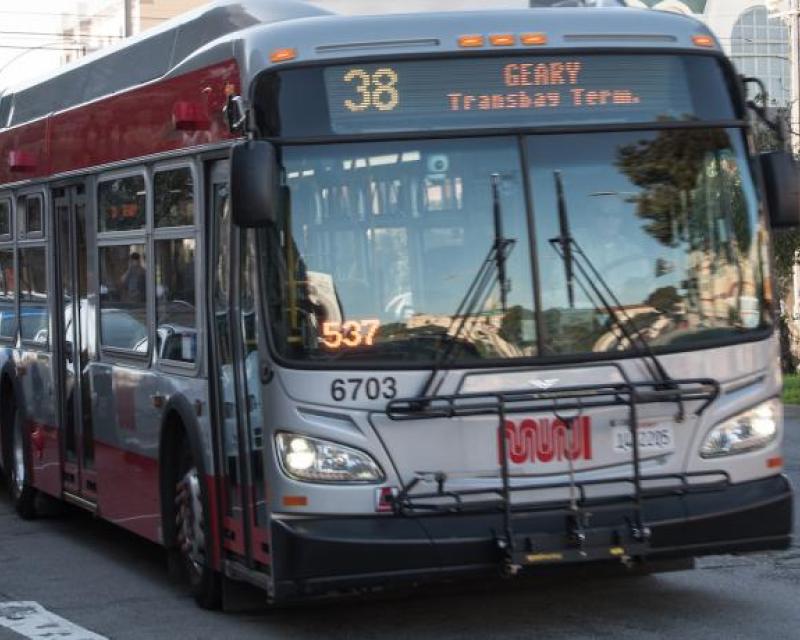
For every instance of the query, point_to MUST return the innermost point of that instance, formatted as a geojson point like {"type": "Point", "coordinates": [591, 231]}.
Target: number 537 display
{"type": "Point", "coordinates": [353, 333]}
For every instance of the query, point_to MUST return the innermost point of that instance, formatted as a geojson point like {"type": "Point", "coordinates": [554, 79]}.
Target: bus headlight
{"type": "Point", "coordinates": [314, 460]}
{"type": "Point", "coordinates": [752, 429]}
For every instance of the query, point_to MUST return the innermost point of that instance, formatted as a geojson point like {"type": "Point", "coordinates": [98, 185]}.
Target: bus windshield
{"type": "Point", "coordinates": [381, 241]}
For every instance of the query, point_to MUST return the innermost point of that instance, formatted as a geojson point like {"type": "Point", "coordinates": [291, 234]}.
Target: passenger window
{"type": "Point", "coordinates": [5, 218]}
{"type": "Point", "coordinates": [174, 198]}
{"type": "Point", "coordinates": [33, 298]}
{"type": "Point", "coordinates": [31, 216]}
{"type": "Point", "coordinates": [8, 288]}
{"type": "Point", "coordinates": [121, 204]}
{"type": "Point", "coordinates": [176, 313]}
{"type": "Point", "coordinates": [123, 297]}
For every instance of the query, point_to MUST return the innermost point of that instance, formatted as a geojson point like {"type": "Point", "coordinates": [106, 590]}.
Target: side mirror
{"type": "Point", "coordinates": [783, 188]}
{"type": "Point", "coordinates": [255, 184]}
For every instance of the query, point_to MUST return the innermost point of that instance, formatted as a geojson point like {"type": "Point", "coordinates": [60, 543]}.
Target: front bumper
{"type": "Point", "coordinates": [314, 555]}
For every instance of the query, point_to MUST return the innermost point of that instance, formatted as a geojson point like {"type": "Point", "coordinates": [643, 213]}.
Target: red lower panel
{"type": "Point", "coordinates": [261, 540]}
{"type": "Point", "coordinates": [234, 536]}
{"type": "Point", "coordinates": [45, 458]}
{"type": "Point", "coordinates": [127, 490]}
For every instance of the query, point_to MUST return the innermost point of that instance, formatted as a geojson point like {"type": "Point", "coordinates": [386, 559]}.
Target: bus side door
{"type": "Point", "coordinates": [235, 380]}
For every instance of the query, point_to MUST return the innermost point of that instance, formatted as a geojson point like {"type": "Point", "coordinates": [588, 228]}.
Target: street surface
{"type": "Point", "coordinates": [115, 585]}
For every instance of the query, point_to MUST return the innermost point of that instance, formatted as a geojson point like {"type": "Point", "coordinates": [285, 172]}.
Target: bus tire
{"type": "Point", "coordinates": [23, 495]}
{"type": "Point", "coordinates": [193, 535]}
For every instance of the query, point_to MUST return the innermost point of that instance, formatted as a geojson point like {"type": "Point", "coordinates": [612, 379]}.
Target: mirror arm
{"type": "Point", "coordinates": [237, 115]}
{"type": "Point", "coordinates": [761, 111]}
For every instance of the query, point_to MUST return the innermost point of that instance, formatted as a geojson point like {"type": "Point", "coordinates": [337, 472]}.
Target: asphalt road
{"type": "Point", "coordinates": [114, 584]}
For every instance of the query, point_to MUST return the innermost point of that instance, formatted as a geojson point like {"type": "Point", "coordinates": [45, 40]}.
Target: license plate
{"type": "Point", "coordinates": [656, 438]}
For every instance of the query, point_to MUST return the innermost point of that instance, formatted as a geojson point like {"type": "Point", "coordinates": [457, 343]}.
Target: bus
{"type": "Point", "coordinates": [326, 303]}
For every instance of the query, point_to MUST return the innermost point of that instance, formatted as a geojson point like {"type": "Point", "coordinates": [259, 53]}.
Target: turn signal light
{"type": "Point", "coordinates": [502, 40]}
{"type": "Point", "coordinates": [283, 55]}
{"type": "Point", "coordinates": [469, 42]}
{"type": "Point", "coordinates": [703, 41]}
{"type": "Point", "coordinates": [295, 501]}
{"type": "Point", "coordinates": [533, 39]}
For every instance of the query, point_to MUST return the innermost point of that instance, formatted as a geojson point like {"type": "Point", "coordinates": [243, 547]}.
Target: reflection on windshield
{"type": "Point", "coordinates": [383, 240]}
{"type": "Point", "coordinates": [668, 219]}
{"type": "Point", "coordinates": [380, 242]}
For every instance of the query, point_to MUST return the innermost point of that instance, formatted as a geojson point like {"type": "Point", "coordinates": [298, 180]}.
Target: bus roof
{"type": "Point", "coordinates": [142, 58]}
{"type": "Point", "coordinates": [247, 30]}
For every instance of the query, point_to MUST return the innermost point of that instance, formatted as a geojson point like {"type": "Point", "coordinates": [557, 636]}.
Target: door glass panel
{"type": "Point", "coordinates": [252, 377]}
{"type": "Point", "coordinates": [226, 385]}
{"type": "Point", "coordinates": [81, 220]}
{"type": "Point", "coordinates": [8, 287]}
{"type": "Point", "coordinates": [61, 206]}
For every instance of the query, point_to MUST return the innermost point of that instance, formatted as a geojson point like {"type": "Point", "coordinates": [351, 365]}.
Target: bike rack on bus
{"type": "Point", "coordinates": [558, 402]}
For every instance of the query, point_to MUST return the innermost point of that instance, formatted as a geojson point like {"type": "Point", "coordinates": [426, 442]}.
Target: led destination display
{"type": "Point", "coordinates": [523, 90]}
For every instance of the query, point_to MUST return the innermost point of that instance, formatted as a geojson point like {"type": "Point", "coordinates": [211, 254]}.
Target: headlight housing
{"type": "Point", "coordinates": [750, 430]}
{"type": "Point", "coordinates": [314, 460]}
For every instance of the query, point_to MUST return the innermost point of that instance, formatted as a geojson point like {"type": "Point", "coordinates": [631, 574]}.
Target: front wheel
{"type": "Point", "coordinates": [193, 534]}
{"type": "Point", "coordinates": [23, 495]}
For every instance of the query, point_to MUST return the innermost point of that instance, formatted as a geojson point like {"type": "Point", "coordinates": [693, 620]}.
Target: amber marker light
{"type": "Point", "coordinates": [502, 40]}
{"type": "Point", "coordinates": [283, 55]}
{"type": "Point", "coordinates": [703, 41]}
{"type": "Point", "coordinates": [295, 501]}
{"type": "Point", "coordinates": [775, 463]}
{"type": "Point", "coordinates": [533, 39]}
{"type": "Point", "coordinates": [470, 42]}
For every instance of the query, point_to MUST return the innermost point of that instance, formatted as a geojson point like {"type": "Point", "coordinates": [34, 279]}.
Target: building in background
{"type": "Point", "coordinates": [96, 24]}
{"type": "Point", "coordinates": [753, 34]}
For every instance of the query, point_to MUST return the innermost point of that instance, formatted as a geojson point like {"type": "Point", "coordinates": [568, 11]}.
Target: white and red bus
{"type": "Point", "coordinates": [324, 303]}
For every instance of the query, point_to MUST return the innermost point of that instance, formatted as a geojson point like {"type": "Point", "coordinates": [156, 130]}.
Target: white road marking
{"type": "Point", "coordinates": [32, 620]}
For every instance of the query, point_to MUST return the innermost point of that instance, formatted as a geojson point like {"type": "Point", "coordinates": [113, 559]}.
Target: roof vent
{"type": "Point", "coordinates": [384, 44]}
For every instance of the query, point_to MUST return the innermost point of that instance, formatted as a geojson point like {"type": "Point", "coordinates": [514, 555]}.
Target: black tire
{"type": "Point", "coordinates": [23, 495]}
{"type": "Point", "coordinates": [193, 532]}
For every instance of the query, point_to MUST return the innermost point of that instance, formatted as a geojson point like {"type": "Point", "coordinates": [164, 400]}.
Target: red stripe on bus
{"type": "Point", "coordinates": [122, 126]}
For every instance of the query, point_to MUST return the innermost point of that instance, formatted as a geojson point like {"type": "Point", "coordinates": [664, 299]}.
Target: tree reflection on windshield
{"type": "Point", "coordinates": [669, 220]}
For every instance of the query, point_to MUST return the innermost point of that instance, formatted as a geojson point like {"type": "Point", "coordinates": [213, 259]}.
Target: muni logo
{"type": "Point", "coordinates": [548, 440]}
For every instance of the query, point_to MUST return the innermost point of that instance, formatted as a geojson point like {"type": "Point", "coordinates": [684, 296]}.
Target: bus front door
{"type": "Point", "coordinates": [71, 344]}
{"type": "Point", "coordinates": [236, 384]}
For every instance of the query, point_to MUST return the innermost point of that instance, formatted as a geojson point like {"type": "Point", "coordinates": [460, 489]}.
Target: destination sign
{"type": "Point", "coordinates": [515, 91]}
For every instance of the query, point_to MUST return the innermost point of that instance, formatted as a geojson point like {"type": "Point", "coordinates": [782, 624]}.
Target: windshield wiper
{"type": "Point", "coordinates": [565, 240]}
{"type": "Point", "coordinates": [574, 260]}
{"type": "Point", "coordinates": [491, 271]}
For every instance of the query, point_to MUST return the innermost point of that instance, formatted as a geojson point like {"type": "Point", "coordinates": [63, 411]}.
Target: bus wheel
{"type": "Point", "coordinates": [193, 539]}
{"type": "Point", "coordinates": [23, 495]}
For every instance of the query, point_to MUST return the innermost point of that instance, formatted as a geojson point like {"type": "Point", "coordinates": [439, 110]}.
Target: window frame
{"type": "Point", "coordinates": [193, 232]}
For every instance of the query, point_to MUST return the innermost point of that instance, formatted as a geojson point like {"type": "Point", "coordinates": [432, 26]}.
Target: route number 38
{"type": "Point", "coordinates": [376, 90]}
